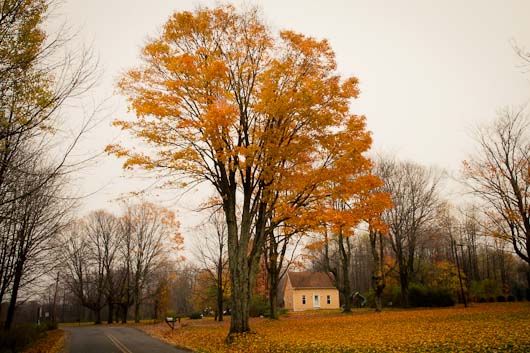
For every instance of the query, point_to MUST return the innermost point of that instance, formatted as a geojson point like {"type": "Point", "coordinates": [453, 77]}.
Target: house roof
{"type": "Point", "coordinates": [311, 279]}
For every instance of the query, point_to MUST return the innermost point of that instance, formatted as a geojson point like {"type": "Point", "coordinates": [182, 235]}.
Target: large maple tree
{"type": "Point", "coordinates": [263, 117]}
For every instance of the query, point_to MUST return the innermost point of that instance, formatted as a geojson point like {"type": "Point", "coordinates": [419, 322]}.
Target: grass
{"type": "Point", "coordinates": [73, 324]}
{"type": "Point", "coordinates": [104, 323]}
{"type": "Point", "coordinates": [495, 327]}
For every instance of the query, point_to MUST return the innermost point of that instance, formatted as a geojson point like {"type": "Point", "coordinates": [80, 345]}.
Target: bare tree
{"type": "Point", "coordinates": [182, 287]}
{"type": "Point", "coordinates": [150, 230]}
{"type": "Point", "coordinates": [279, 255]}
{"type": "Point", "coordinates": [499, 174]}
{"type": "Point", "coordinates": [334, 254]}
{"type": "Point", "coordinates": [471, 231]}
{"type": "Point", "coordinates": [452, 230]}
{"type": "Point", "coordinates": [85, 267]}
{"type": "Point", "coordinates": [414, 192]}
{"type": "Point", "coordinates": [30, 233]}
{"type": "Point", "coordinates": [123, 272]}
{"type": "Point", "coordinates": [101, 229]}
{"type": "Point", "coordinates": [110, 261]}
{"type": "Point", "coordinates": [38, 75]}
{"type": "Point", "coordinates": [523, 53]}
{"type": "Point", "coordinates": [211, 252]}
{"type": "Point", "coordinates": [377, 246]}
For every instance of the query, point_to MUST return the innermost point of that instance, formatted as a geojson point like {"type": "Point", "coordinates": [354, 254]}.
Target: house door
{"type": "Point", "coordinates": [316, 301]}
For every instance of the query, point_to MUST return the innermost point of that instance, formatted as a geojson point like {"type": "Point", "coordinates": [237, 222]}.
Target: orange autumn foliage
{"type": "Point", "coordinates": [264, 118]}
{"type": "Point", "coordinates": [302, 133]}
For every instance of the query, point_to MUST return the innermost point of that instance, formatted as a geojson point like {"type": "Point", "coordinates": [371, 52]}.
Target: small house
{"type": "Point", "coordinates": [309, 291]}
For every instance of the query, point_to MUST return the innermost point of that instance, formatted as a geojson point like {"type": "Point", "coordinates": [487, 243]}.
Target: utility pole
{"type": "Point", "coordinates": [54, 312]}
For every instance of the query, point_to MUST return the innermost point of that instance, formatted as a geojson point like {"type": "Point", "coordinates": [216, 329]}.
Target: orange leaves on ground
{"type": "Point", "coordinates": [51, 342]}
{"type": "Point", "coordinates": [481, 328]}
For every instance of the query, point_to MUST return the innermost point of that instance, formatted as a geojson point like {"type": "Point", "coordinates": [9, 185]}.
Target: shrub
{"type": "Point", "coordinates": [394, 296]}
{"type": "Point", "coordinates": [482, 300]}
{"type": "Point", "coordinates": [501, 298]}
{"type": "Point", "coordinates": [511, 298]}
{"type": "Point", "coordinates": [488, 288]}
{"type": "Point", "coordinates": [195, 316]}
{"type": "Point", "coordinates": [370, 297]}
{"type": "Point", "coordinates": [50, 325]}
{"type": "Point", "coordinates": [476, 291]}
{"type": "Point", "coordinates": [391, 296]}
{"type": "Point", "coordinates": [491, 300]}
{"type": "Point", "coordinates": [421, 296]}
{"type": "Point", "coordinates": [441, 297]}
{"type": "Point", "coordinates": [491, 287]}
{"type": "Point", "coordinates": [418, 295]}
{"type": "Point", "coordinates": [519, 293]}
{"type": "Point", "coordinates": [20, 337]}
{"type": "Point", "coordinates": [259, 306]}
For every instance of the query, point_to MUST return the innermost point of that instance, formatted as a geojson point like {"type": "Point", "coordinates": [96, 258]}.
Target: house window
{"type": "Point", "coordinates": [303, 299]}
{"type": "Point", "coordinates": [328, 299]}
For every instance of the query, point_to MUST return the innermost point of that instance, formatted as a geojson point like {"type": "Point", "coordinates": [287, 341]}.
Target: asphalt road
{"type": "Point", "coordinates": [101, 339]}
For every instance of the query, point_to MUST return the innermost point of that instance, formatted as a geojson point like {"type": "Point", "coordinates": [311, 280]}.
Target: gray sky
{"type": "Point", "coordinates": [429, 70]}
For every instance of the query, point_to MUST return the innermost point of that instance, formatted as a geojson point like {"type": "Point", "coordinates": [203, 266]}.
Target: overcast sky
{"type": "Point", "coordinates": [429, 70]}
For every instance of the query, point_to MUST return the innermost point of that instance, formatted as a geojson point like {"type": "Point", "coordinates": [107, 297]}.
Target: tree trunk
{"type": "Point", "coordinates": [97, 312]}
{"type": "Point", "coordinates": [136, 299]}
{"type": "Point", "coordinates": [54, 310]}
{"type": "Point", "coordinates": [14, 294]}
{"type": "Point", "coordinates": [136, 311]}
{"type": "Point", "coordinates": [274, 273]}
{"type": "Point", "coordinates": [378, 301]}
{"type": "Point", "coordinates": [344, 260]}
{"type": "Point", "coordinates": [240, 299]}
{"type": "Point", "coordinates": [244, 251]}
{"type": "Point", "coordinates": [237, 265]}
{"type": "Point", "coordinates": [346, 296]}
{"type": "Point", "coordinates": [124, 313]}
{"type": "Point", "coordinates": [404, 282]}
{"type": "Point", "coordinates": [273, 294]}
{"type": "Point", "coordinates": [110, 314]}
{"type": "Point", "coordinates": [219, 314]}
{"type": "Point", "coordinates": [378, 278]}
{"type": "Point", "coordinates": [242, 267]}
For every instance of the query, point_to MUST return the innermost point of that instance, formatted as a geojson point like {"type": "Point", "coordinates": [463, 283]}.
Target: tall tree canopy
{"type": "Point", "coordinates": [264, 118]}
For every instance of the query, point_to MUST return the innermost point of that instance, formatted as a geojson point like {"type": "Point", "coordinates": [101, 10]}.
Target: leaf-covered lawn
{"type": "Point", "coordinates": [481, 328]}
